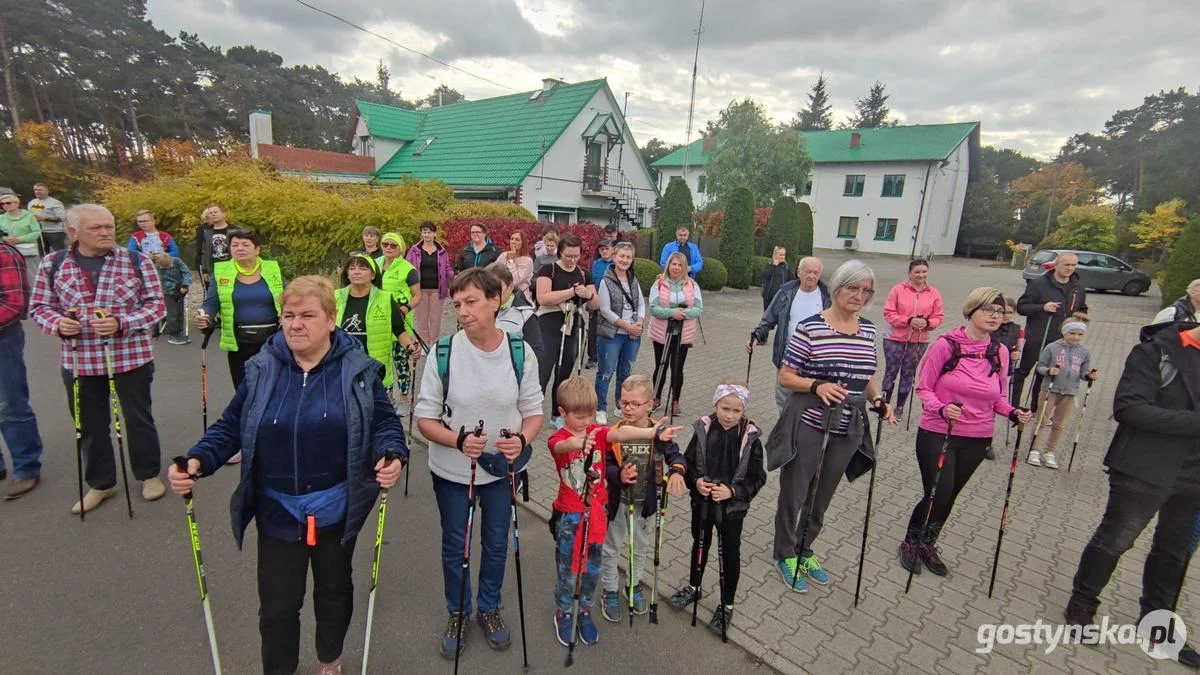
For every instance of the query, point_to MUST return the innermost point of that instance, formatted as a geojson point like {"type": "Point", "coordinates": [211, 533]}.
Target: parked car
{"type": "Point", "coordinates": [1097, 271]}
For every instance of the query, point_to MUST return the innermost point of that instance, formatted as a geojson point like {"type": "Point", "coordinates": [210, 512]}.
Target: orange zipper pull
{"type": "Point", "coordinates": [312, 530]}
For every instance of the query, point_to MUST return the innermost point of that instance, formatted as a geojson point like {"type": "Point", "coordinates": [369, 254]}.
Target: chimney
{"type": "Point", "coordinates": [549, 83]}
{"type": "Point", "coordinates": [260, 130]}
{"type": "Point", "coordinates": [855, 140]}
{"type": "Point", "coordinates": [710, 143]}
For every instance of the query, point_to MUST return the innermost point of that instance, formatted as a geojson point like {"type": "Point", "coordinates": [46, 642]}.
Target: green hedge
{"type": "Point", "coordinates": [713, 275]}
{"type": "Point", "coordinates": [1184, 264]}
{"type": "Point", "coordinates": [646, 271]}
{"type": "Point", "coordinates": [737, 237]}
{"type": "Point", "coordinates": [758, 263]}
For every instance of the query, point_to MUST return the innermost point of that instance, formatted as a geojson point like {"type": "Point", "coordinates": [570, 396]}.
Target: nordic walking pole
{"type": "Point", "coordinates": [719, 521]}
{"type": "Point", "coordinates": [659, 518]}
{"type": "Point", "coordinates": [705, 541]}
{"type": "Point", "coordinates": [900, 371]}
{"type": "Point", "coordinates": [661, 370]}
{"type": "Point", "coordinates": [116, 410]}
{"type": "Point", "coordinates": [181, 463]}
{"type": "Point", "coordinates": [862, 552]}
{"type": "Point", "coordinates": [1079, 423]}
{"type": "Point", "coordinates": [1041, 416]}
{"type": "Point", "coordinates": [74, 314]}
{"type": "Point", "coordinates": [466, 564]}
{"type": "Point", "coordinates": [208, 333]}
{"type": "Point", "coordinates": [1008, 427]}
{"type": "Point", "coordinates": [833, 415]}
{"type": "Point", "coordinates": [911, 392]}
{"type": "Point", "coordinates": [412, 393]}
{"type": "Point", "coordinates": [590, 475]}
{"type": "Point", "coordinates": [383, 501]}
{"type": "Point", "coordinates": [1012, 473]}
{"type": "Point", "coordinates": [512, 477]}
{"type": "Point", "coordinates": [632, 550]}
{"type": "Point", "coordinates": [749, 359]}
{"type": "Point", "coordinates": [937, 476]}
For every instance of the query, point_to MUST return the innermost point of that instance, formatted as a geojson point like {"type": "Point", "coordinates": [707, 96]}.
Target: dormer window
{"type": "Point", "coordinates": [424, 146]}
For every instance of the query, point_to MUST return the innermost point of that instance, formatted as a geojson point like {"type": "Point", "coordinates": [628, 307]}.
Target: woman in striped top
{"type": "Point", "coordinates": [828, 366]}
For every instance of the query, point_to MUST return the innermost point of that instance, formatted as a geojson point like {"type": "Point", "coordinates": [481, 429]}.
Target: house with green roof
{"type": "Point", "coordinates": [895, 190]}
{"type": "Point", "coordinates": [563, 151]}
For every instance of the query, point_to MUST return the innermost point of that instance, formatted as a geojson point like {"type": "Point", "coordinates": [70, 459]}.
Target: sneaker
{"type": "Point", "coordinates": [557, 422]}
{"type": "Point", "coordinates": [787, 569]}
{"type": "Point", "coordinates": [990, 454]}
{"type": "Point", "coordinates": [610, 605]}
{"type": "Point", "coordinates": [1034, 458]}
{"type": "Point", "coordinates": [682, 598]}
{"type": "Point", "coordinates": [719, 623]}
{"type": "Point", "coordinates": [93, 498]}
{"type": "Point", "coordinates": [152, 489]}
{"type": "Point", "coordinates": [931, 557]}
{"type": "Point", "coordinates": [640, 606]}
{"type": "Point", "coordinates": [455, 633]}
{"type": "Point", "coordinates": [1050, 461]}
{"type": "Point", "coordinates": [675, 411]}
{"type": "Point", "coordinates": [178, 340]}
{"type": "Point", "coordinates": [590, 364]}
{"type": "Point", "coordinates": [899, 412]}
{"type": "Point", "coordinates": [588, 633]}
{"type": "Point", "coordinates": [401, 408]}
{"type": "Point", "coordinates": [334, 668]}
{"type": "Point", "coordinates": [910, 555]}
{"type": "Point", "coordinates": [601, 417]}
{"type": "Point", "coordinates": [494, 630]}
{"type": "Point", "coordinates": [21, 486]}
{"type": "Point", "coordinates": [562, 626]}
{"type": "Point", "coordinates": [812, 569]}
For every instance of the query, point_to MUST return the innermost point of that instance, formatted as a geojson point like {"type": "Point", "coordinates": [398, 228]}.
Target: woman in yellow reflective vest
{"type": "Point", "coordinates": [369, 314]}
{"type": "Point", "coordinates": [403, 281]}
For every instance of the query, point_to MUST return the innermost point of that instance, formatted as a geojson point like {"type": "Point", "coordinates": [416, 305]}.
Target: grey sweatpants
{"type": "Point", "coordinates": [616, 546]}
{"type": "Point", "coordinates": [795, 479]}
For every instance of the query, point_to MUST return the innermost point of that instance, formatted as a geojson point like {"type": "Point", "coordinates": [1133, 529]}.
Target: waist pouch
{"type": "Point", "coordinates": [253, 334]}
{"type": "Point", "coordinates": [327, 506]}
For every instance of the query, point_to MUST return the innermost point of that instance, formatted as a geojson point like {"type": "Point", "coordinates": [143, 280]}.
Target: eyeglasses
{"type": "Point", "coordinates": [861, 292]}
{"type": "Point", "coordinates": [8, 203]}
{"type": "Point", "coordinates": [632, 404]}
{"type": "Point", "coordinates": [389, 244]}
{"type": "Point", "coordinates": [992, 311]}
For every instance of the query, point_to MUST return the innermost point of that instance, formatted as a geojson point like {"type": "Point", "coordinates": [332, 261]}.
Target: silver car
{"type": "Point", "coordinates": [1097, 271]}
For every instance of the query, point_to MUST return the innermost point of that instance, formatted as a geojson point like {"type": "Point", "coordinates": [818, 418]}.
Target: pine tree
{"type": "Point", "coordinates": [737, 237]}
{"type": "Point", "coordinates": [677, 210]}
{"type": "Point", "coordinates": [783, 229]}
{"type": "Point", "coordinates": [871, 111]}
{"type": "Point", "coordinates": [1184, 264]}
{"type": "Point", "coordinates": [816, 117]}
{"type": "Point", "coordinates": [805, 246]}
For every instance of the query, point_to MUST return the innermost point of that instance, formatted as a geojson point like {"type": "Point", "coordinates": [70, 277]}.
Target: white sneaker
{"type": "Point", "coordinates": [601, 417]}
{"type": "Point", "coordinates": [1051, 461]}
{"type": "Point", "coordinates": [1034, 458]}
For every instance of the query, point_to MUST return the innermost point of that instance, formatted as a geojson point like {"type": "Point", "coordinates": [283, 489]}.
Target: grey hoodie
{"type": "Point", "coordinates": [1075, 364]}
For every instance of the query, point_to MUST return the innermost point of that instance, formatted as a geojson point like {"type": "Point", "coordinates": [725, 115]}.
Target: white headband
{"type": "Point", "coordinates": [737, 390]}
{"type": "Point", "coordinates": [1074, 325]}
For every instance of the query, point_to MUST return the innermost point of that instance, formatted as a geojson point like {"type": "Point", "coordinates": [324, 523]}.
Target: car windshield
{"type": "Point", "coordinates": [1043, 257]}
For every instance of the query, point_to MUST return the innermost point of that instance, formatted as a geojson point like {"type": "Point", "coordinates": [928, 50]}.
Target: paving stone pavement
{"type": "Point", "coordinates": [934, 627]}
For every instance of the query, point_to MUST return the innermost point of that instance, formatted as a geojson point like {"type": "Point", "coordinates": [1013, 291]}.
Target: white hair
{"type": "Point", "coordinates": [808, 259]}
{"type": "Point", "coordinates": [77, 213]}
{"type": "Point", "coordinates": [1193, 287]}
{"type": "Point", "coordinates": [849, 273]}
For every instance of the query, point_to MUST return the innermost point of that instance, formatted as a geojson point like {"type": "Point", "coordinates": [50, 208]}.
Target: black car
{"type": "Point", "coordinates": [1097, 271]}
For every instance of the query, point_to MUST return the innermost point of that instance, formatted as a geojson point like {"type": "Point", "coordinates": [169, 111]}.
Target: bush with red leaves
{"type": "Point", "coordinates": [457, 233]}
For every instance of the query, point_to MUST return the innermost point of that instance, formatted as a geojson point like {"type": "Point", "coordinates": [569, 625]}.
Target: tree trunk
{"type": "Point", "coordinates": [37, 106]}
{"type": "Point", "coordinates": [133, 123]}
{"type": "Point", "coordinates": [9, 92]}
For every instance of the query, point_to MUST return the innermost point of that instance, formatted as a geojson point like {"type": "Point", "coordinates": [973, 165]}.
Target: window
{"type": "Point", "coordinates": [893, 185]}
{"type": "Point", "coordinates": [847, 227]}
{"type": "Point", "coordinates": [555, 215]}
{"type": "Point", "coordinates": [701, 183]}
{"type": "Point", "coordinates": [854, 185]}
{"type": "Point", "coordinates": [885, 229]}
{"type": "Point", "coordinates": [807, 188]}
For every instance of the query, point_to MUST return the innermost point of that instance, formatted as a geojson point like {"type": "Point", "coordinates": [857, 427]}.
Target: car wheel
{"type": "Point", "coordinates": [1134, 287]}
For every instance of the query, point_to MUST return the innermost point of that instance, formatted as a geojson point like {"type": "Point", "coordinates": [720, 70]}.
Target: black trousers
{"type": "Point", "coordinates": [238, 359]}
{"type": "Point", "coordinates": [551, 326]}
{"type": "Point", "coordinates": [137, 425]}
{"type": "Point", "coordinates": [1132, 503]}
{"type": "Point", "coordinates": [282, 577]}
{"type": "Point", "coordinates": [175, 314]}
{"type": "Point", "coordinates": [676, 360]}
{"type": "Point", "coordinates": [593, 320]}
{"type": "Point", "coordinates": [962, 458]}
{"type": "Point", "coordinates": [53, 241]}
{"type": "Point", "coordinates": [703, 530]}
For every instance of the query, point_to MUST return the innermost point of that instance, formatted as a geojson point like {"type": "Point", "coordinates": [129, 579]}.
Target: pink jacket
{"type": "Point", "coordinates": [971, 383]}
{"type": "Point", "coordinates": [905, 302]}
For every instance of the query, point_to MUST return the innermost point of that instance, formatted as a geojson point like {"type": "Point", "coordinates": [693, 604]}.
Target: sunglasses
{"type": "Point", "coordinates": [8, 203]}
{"type": "Point", "coordinates": [389, 244]}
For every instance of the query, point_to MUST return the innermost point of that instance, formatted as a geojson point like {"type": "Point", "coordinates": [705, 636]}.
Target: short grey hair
{"type": "Point", "coordinates": [849, 273]}
{"type": "Point", "coordinates": [76, 213]}
{"type": "Point", "coordinates": [808, 259]}
{"type": "Point", "coordinates": [1193, 287]}
{"type": "Point", "coordinates": [371, 229]}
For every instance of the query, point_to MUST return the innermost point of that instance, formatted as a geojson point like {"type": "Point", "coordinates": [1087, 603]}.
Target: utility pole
{"type": "Point", "coordinates": [687, 142]}
{"type": "Point", "coordinates": [1053, 191]}
{"type": "Point", "coordinates": [624, 130]}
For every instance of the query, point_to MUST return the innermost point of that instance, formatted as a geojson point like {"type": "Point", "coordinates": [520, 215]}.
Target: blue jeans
{"type": "Point", "coordinates": [18, 424]}
{"type": "Point", "coordinates": [616, 353]}
{"type": "Point", "coordinates": [495, 504]}
{"type": "Point", "coordinates": [566, 560]}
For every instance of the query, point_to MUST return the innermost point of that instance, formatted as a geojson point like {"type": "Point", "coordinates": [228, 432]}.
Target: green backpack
{"type": "Point", "coordinates": [516, 351]}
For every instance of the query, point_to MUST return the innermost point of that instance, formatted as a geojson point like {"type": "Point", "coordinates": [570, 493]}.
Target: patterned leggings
{"type": "Point", "coordinates": [902, 359]}
{"type": "Point", "coordinates": [565, 557]}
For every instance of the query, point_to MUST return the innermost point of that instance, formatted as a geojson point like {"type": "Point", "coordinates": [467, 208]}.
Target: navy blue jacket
{"type": "Point", "coordinates": [303, 432]}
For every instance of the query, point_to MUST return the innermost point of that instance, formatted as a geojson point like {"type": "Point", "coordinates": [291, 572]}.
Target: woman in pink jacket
{"type": "Point", "coordinates": [965, 381]}
{"type": "Point", "coordinates": [912, 310]}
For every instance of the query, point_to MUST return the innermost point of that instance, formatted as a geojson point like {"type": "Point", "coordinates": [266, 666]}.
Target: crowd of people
{"type": "Point", "coordinates": [316, 423]}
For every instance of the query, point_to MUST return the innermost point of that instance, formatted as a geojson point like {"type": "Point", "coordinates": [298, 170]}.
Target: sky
{"type": "Point", "coordinates": [1033, 72]}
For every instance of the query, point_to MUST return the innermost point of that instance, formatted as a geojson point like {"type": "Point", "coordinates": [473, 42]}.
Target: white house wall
{"type": "Point", "coordinates": [557, 180]}
{"type": "Point", "coordinates": [383, 149]}
{"type": "Point", "coordinates": [947, 191]}
{"type": "Point", "coordinates": [829, 204]}
{"type": "Point", "coordinates": [699, 199]}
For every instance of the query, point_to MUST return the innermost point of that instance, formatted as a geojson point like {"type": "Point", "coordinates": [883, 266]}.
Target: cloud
{"type": "Point", "coordinates": [1033, 72]}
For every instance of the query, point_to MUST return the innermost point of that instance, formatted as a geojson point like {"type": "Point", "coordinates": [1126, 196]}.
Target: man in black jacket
{"type": "Point", "coordinates": [1154, 467]}
{"type": "Point", "coordinates": [1047, 301]}
{"type": "Point", "coordinates": [796, 300]}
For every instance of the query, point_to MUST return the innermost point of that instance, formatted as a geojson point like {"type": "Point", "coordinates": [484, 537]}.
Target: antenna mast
{"type": "Point", "coordinates": [692, 103]}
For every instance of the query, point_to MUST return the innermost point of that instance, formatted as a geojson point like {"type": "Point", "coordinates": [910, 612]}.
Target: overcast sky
{"type": "Point", "coordinates": [1032, 71]}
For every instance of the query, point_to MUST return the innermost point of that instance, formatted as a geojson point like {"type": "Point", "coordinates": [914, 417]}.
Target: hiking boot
{"type": "Point", "coordinates": [930, 554]}
{"type": "Point", "coordinates": [639, 600]}
{"type": "Point", "coordinates": [675, 411]}
{"type": "Point", "coordinates": [562, 626]}
{"type": "Point", "coordinates": [494, 630]}
{"type": "Point", "coordinates": [588, 633]}
{"type": "Point", "coordinates": [1050, 461]}
{"type": "Point", "coordinates": [153, 489]}
{"type": "Point", "coordinates": [21, 486]}
{"type": "Point", "coordinates": [601, 417]}
{"type": "Point", "coordinates": [1034, 458]}
{"type": "Point", "coordinates": [910, 554]}
{"type": "Point", "coordinates": [794, 581]}
{"type": "Point", "coordinates": [1078, 615]}
{"type": "Point", "coordinates": [1188, 657]}
{"type": "Point", "coordinates": [811, 568]}
{"type": "Point", "coordinates": [93, 498]}
{"type": "Point", "coordinates": [456, 632]}
{"type": "Point", "coordinates": [334, 668]}
{"type": "Point", "coordinates": [682, 598]}
{"type": "Point", "coordinates": [990, 454]}
{"type": "Point", "coordinates": [720, 619]}
{"type": "Point", "coordinates": [610, 605]}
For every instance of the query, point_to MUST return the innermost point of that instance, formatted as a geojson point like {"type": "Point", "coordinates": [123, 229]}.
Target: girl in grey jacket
{"type": "Point", "coordinates": [1063, 364]}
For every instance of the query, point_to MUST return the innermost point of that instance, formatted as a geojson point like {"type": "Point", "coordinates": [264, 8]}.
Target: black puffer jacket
{"type": "Point", "coordinates": [1157, 407]}
{"type": "Point", "coordinates": [1041, 329]}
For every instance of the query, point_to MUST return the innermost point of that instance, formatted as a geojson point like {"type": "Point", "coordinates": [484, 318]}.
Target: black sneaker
{"type": "Point", "coordinates": [910, 556]}
{"type": "Point", "coordinates": [990, 454]}
{"type": "Point", "coordinates": [682, 598]}
{"type": "Point", "coordinates": [721, 617]}
{"type": "Point", "coordinates": [454, 635]}
{"type": "Point", "coordinates": [931, 557]}
{"type": "Point", "coordinates": [1188, 657]}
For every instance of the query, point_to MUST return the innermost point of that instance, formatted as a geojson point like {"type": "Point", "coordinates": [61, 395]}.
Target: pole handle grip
{"type": "Point", "coordinates": [181, 463]}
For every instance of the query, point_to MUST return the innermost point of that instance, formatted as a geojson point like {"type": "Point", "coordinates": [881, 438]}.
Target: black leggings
{"type": "Point", "coordinates": [677, 359]}
{"type": "Point", "coordinates": [731, 549]}
{"type": "Point", "coordinates": [964, 456]}
{"type": "Point", "coordinates": [238, 359]}
{"type": "Point", "coordinates": [551, 326]}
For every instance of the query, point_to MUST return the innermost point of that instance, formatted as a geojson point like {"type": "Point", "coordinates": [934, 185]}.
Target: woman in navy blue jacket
{"type": "Point", "coordinates": [314, 425]}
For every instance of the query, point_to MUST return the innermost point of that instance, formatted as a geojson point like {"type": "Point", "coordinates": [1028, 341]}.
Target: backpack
{"type": "Point", "coordinates": [60, 256]}
{"type": "Point", "coordinates": [992, 354]}
{"type": "Point", "coordinates": [516, 352]}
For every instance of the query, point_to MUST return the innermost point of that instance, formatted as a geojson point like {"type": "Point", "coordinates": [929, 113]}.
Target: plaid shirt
{"type": "Point", "coordinates": [14, 286]}
{"type": "Point", "coordinates": [138, 306]}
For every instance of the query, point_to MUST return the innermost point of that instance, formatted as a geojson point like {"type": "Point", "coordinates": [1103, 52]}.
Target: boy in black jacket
{"type": "Point", "coordinates": [724, 472]}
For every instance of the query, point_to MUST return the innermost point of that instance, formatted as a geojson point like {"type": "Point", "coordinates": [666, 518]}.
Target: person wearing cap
{"type": "Point", "coordinates": [963, 383]}
{"type": "Point", "coordinates": [1063, 365]}
{"type": "Point", "coordinates": [369, 314]}
{"type": "Point", "coordinates": [399, 277]}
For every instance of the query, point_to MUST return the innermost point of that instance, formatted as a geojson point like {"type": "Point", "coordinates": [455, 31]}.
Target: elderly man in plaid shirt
{"type": "Point", "coordinates": [96, 274]}
{"type": "Point", "coordinates": [18, 424]}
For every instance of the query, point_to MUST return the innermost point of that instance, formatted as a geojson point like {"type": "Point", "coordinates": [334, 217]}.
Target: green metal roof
{"type": "Point", "coordinates": [490, 142]}
{"type": "Point", "coordinates": [386, 121]}
{"type": "Point", "coordinates": [915, 143]}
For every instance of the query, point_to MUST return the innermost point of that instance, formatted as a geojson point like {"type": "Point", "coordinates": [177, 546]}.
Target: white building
{"type": "Point", "coordinates": [894, 190]}
{"type": "Point", "coordinates": [563, 152]}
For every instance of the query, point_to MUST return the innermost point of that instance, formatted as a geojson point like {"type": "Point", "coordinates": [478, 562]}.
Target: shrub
{"type": "Point", "coordinates": [457, 233]}
{"type": "Point", "coordinates": [783, 230]}
{"type": "Point", "coordinates": [646, 271]}
{"type": "Point", "coordinates": [463, 210]}
{"type": "Point", "coordinates": [677, 210]}
{"type": "Point", "coordinates": [737, 237]}
{"type": "Point", "coordinates": [805, 246]}
{"type": "Point", "coordinates": [713, 275]}
{"type": "Point", "coordinates": [757, 264]}
{"type": "Point", "coordinates": [1184, 264]}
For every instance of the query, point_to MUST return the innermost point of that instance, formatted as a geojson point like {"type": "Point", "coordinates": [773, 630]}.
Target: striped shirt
{"type": "Point", "coordinates": [818, 351]}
